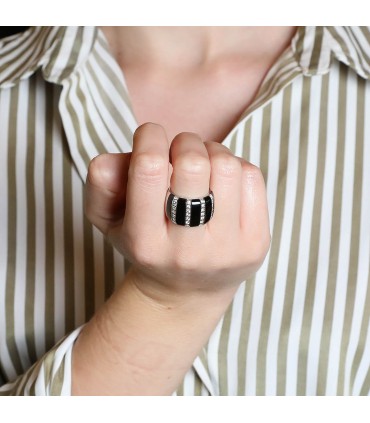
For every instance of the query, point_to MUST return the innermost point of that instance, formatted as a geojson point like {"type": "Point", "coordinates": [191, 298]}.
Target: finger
{"type": "Point", "coordinates": [105, 190]}
{"type": "Point", "coordinates": [191, 167]}
{"type": "Point", "coordinates": [254, 215]}
{"type": "Point", "coordinates": [147, 180]}
{"type": "Point", "coordinates": [226, 173]}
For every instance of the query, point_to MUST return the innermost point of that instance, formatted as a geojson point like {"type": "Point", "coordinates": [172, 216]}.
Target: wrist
{"type": "Point", "coordinates": [176, 297]}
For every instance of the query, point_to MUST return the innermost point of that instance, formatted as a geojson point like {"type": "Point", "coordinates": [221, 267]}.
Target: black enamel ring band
{"type": "Point", "coordinates": [189, 211]}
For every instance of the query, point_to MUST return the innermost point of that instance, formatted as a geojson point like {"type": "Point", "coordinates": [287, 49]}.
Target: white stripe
{"type": "Point", "coordinates": [98, 267]}
{"type": "Point", "coordinates": [119, 268]}
{"type": "Point", "coordinates": [21, 228]}
{"type": "Point", "coordinates": [319, 302]}
{"type": "Point", "coordinates": [129, 117]}
{"type": "Point", "coordinates": [345, 239]}
{"type": "Point", "coordinates": [240, 136]}
{"type": "Point", "coordinates": [61, 60]}
{"type": "Point", "coordinates": [284, 248]}
{"type": "Point", "coordinates": [261, 276]}
{"type": "Point", "coordinates": [308, 44]}
{"type": "Point", "coordinates": [363, 368]}
{"type": "Point", "coordinates": [78, 248]}
{"type": "Point", "coordinates": [212, 356]}
{"type": "Point", "coordinates": [73, 137]}
{"type": "Point", "coordinates": [59, 241]}
{"type": "Point", "coordinates": [233, 343]}
{"type": "Point", "coordinates": [23, 55]}
{"type": "Point", "coordinates": [304, 239]}
{"type": "Point", "coordinates": [255, 144]}
{"type": "Point", "coordinates": [364, 254]}
{"type": "Point", "coordinates": [189, 383]}
{"type": "Point", "coordinates": [116, 136]}
{"type": "Point", "coordinates": [40, 248]}
{"type": "Point", "coordinates": [4, 127]}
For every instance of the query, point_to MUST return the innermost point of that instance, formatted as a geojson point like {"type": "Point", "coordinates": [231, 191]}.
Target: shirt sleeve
{"type": "Point", "coordinates": [51, 375]}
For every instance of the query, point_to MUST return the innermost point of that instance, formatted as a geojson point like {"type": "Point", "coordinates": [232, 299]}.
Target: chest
{"type": "Point", "coordinates": [208, 103]}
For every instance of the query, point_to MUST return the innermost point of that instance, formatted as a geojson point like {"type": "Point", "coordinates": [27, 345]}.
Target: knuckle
{"type": "Point", "coordinates": [259, 249]}
{"type": "Point", "coordinates": [192, 164]}
{"type": "Point", "coordinates": [226, 165]}
{"type": "Point", "coordinates": [252, 173]}
{"type": "Point", "coordinates": [143, 254]}
{"type": "Point", "coordinates": [185, 262]}
{"type": "Point", "coordinates": [148, 165]}
{"type": "Point", "coordinates": [95, 172]}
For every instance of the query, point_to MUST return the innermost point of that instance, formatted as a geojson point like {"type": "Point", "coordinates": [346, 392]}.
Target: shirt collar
{"type": "Point", "coordinates": [21, 55]}
{"type": "Point", "coordinates": [314, 48]}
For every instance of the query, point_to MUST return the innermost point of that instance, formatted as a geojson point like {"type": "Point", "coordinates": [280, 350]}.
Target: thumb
{"type": "Point", "coordinates": [105, 190]}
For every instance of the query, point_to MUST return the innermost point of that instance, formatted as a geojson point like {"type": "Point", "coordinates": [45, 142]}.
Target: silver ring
{"type": "Point", "coordinates": [189, 212]}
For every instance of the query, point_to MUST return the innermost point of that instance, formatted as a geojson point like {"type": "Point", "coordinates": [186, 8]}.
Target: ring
{"type": "Point", "coordinates": [189, 211]}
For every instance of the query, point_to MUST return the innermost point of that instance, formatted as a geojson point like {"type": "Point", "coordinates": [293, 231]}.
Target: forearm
{"type": "Point", "coordinates": [136, 345]}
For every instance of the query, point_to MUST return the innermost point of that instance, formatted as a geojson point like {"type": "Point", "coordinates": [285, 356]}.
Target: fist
{"type": "Point", "coordinates": [125, 198]}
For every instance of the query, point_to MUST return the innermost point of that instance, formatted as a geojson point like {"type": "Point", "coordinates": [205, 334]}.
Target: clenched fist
{"type": "Point", "coordinates": [147, 334]}
{"type": "Point", "coordinates": [125, 199]}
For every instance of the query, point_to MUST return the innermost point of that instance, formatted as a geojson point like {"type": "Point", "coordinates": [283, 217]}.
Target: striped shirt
{"type": "Point", "coordinates": [300, 326]}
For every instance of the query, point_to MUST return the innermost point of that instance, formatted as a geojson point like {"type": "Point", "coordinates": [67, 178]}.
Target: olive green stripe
{"type": "Point", "coordinates": [107, 70]}
{"type": "Point", "coordinates": [180, 389]}
{"type": "Point", "coordinates": [287, 71]}
{"type": "Point", "coordinates": [276, 229]}
{"type": "Point", "coordinates": [271, 86]}
{"type": "Point", "coordinates": [361, 54]}
{"type": "Point", "coordinates": [334, 241]}
{"type": "Point", "coordinates": [197, 385]}
{"type": "Point", "coordinates": [36, 48]}
{"type": "Point", "coordinates": [245, 335]}
{"type": "Point", "coordinates": [69, 248]}
{"type": "Point", "coordinates": [110, 109]}
{"type": "Point", "coordinates": [56, 52]}
{"type": "Point", "coordinates": [89, 269]}
{"type": "Point", "coordinates": [76, 124]}
{"type": "Point", "coordinates": [342, 44]}
{"type": "Point", "coordinates": [291, 279]}
{"type": "Point", "coordinates": [265, 141]}
{"type": "Point", "coordinates": [366, 313]}
{"type": "Point", "coordinates": [355, 232]}
{"type": "Point", "coordinates": [316, 50]}
{"type": "Point", "coordinates": [233, 142]}
{"type": "Point", "coordinates": [222, 352]}
{"type": "Point", "coordinates": [108, 270]}
{"type": "Point", "coordinates": [73, 55]}
{"type": "Point", "coordinates": [277, 233]}
{"type": "Point", "coordinates": [301, 33]}
{"type": "Point", "coordinates": [366, 33]}
{"type": "Point", "coordinates": [58, 380]}
{"type": "Point", "coordinates": [247, 140]}
{"type": "Point", "coordinates": [12, 234]}
{"type": "Point", "coordinates": [31, 222]}
{"type": "Point", "coordinates": [87, 119]}
{"type": "Point", "coordinates": [365, 390]}
{"type": "Point", "coordinates": [21, 55]}
{"type": "Point", "coordinates": [49, 218]}
{"type": "Point", "coordinates": [297, 217]}
{"type": "Point", "coordinates": [312, 277]}
{"type": "Point", "coordinates": [115, 114]}
{"type": "Point", "coordinates": [363, 336]}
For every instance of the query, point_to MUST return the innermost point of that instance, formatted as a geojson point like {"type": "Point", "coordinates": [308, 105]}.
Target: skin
{"type": "Point", "coordinates": [147, 335]}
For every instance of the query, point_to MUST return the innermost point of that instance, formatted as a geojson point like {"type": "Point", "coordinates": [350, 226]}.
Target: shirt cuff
{"type": "Point", "coordinates": [51, 375]}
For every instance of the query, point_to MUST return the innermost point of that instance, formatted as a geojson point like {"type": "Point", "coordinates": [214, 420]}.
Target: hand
{"type": "Point", "coordinates": [125, 199]}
